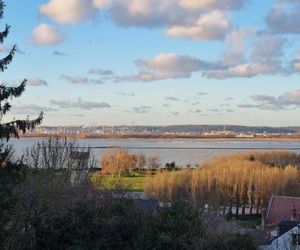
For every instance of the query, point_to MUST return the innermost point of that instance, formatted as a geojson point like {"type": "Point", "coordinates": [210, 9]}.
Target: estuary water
{"type": "Point", "coordinates": [181, 151]}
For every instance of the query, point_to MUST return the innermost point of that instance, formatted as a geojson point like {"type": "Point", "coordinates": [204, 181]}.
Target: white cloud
{"type": "Point", "coordinates": [236, 47]}
{"type": "Point", "coordinates": [284, 17]}
{"type": "Point", "coordinates": [212, 4]}
{"type": "Point", "coordinates": [247, 70]}
{"type": "Point", "coordinates": [70, 11]}
{"type": "Point", "coordinates": [100, 71]}
{"type": "Point", "coordinates": [282, 102]}
{"type": "Point", "coordinates": [172, 98]}
{"type": "Point", "coordinates": [36, 81]}
{"type": "Point", "coordinates": [45, 34]}
{"type": "Point", "coordinates": [296, 65]}
{"type": "Point", "coordinates": [195, 110]}
{"type": "Point", "coordinates": [76, 79]}
{"type": "Point", "coordinates": [211, 26]}
{"type": "Point", "coordinates": [146, 13]}
{"type": "Point", "coordinates": [199, 20]}
{"type": "Point", "coordinates": [268, 47]}
{"type": "Point", "coordinates": [149, 13]}
{"type": "Point", "coordinates": [244, 59]}
{"type": "Point", "coordinates": [101, 3]}
{"type": "Point", "coordinates": [31, 109]}
{"type": "Point", "coordinates": [79, 104]}
{"type": "Point", "coordinates": [142, 109]}
{"type": "Point", "coordinates": [168, 66]}
{"type": "Point", "coordinates": [81, 80]}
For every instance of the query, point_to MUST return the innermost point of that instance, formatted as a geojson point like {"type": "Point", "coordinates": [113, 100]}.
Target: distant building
{"type": "Point", "coordinates": [245, 136]}
{"type": "Point", "coordinates": [79, 167]}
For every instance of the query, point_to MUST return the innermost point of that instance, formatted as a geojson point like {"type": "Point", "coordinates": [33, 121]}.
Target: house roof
{"type": "Point", "coordinates": [287, 225]}
{"type": "Point", "coordinates": [280, 208]}
{"type": "Point", "coordinates": [149, 205]}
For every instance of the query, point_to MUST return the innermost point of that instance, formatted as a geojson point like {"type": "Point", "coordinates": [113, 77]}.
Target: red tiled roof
{"type": "Point", "coordinates": [280, 208]}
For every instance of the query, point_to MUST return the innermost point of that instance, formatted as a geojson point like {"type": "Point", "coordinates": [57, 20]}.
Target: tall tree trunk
{"type": "Point", "coordinates": [237, 206]}
{"type": "Point", "coordinates": [251, 208]}
{"type": "Point", "coordinates": [224, 210]}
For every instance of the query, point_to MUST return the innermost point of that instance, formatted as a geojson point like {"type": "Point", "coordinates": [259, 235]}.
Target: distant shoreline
{"type": "Point", "coordinates": [167, 138]}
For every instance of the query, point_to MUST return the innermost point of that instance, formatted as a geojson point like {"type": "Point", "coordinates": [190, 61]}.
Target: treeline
{"type": "Point", "coordinates": [238, 181]}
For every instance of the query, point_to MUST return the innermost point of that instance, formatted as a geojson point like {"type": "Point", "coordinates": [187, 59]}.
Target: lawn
{"type": "Point", "coordinates": [132, 182]}
{"type": "Point", "coordinates": [249, 223]}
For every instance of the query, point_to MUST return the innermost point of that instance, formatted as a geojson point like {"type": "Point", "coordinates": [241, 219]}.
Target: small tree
{"type": "Point", "coordinates": [117, 161]}
{"type": "Point", "coordinates": [12, 128]}
{"type": "Point", "coordinates": [153, 162]}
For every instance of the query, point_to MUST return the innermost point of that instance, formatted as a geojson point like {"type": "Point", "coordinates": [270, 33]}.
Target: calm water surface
{"type": "Point", "coordinates": [183, 152]}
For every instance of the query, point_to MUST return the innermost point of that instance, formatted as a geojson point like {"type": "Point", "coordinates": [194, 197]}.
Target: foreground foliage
{"type": "Point", "coordinates": [41, 211]}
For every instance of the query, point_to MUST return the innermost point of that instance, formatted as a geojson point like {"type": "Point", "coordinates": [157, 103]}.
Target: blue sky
{"type": "Point", "coordinates": [156, 62]}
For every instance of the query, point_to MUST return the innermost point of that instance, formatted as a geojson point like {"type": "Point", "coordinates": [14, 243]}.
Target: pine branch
{"type": "Point", "coordinates": [7, 60]}
{"type": "Point", "coordinates": [4, 33]}
{"type": "Point", "coordinates": [4, 109]}
{"type": "Point", "coordinates": [2, 5]}
{"type": "Point", "coordinates": [9, 92]}
{"type": "Point", "coordinates": [11, 129]}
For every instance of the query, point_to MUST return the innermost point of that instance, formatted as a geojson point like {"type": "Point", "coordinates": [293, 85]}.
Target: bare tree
{"type": "Point", "coordinates": [55, 153]}
{"type": "Point", "coordinates": [117, 161]}
{"type": "Point", "coordinates": [62, 155]}
{"type": "Point", "coordinates": [153, 162]}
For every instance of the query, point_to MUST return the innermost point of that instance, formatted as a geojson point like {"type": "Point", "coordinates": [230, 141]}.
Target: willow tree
{"type": "Point", "coordinates": [14, 127]}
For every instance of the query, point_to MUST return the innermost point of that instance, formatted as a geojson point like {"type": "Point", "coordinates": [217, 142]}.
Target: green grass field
{"type": "Point", "coordinates": [131, 183]}
{"type": "Point", "coordinates": [134, 182]}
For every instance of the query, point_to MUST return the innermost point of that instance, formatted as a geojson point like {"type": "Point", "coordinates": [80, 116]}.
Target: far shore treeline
{"type": "Point", "coordinates": [169, 132]}
{"type": "Point", "coordinates": [182, 128]}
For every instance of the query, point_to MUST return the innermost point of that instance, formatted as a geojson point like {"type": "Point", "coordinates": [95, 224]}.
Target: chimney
{"type": "Point", "coordinates": [294, 213]}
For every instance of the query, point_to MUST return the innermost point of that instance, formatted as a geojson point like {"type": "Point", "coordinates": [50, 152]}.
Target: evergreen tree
{"type": "Point", "coordinates": [12, 128]}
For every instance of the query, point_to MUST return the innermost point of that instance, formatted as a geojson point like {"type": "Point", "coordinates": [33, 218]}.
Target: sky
{"type": "Point", "coordinates": [155, 62]}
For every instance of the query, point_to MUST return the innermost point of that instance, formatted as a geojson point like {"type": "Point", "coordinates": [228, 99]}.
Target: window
{"type": "Point", "coordinates": [296, 239]}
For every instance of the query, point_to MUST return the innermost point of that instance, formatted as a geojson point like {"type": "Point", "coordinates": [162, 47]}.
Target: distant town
{"type": "Point", "coordinates": [161, 132]}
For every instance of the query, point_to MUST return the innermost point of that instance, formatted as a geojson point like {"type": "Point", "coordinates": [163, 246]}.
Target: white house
{"type": "Point", "coordinates": [286, 241]}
